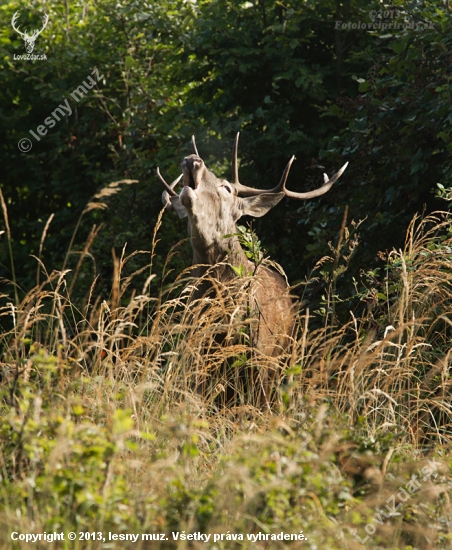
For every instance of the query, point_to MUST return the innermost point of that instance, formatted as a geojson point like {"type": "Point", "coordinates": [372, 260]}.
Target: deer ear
{"type": "Point", "coordinates": [173, 203]}
{"type": "Point", "coordinates": [178, 207]}
{"type": "Point", "coordinates": [258, 206]}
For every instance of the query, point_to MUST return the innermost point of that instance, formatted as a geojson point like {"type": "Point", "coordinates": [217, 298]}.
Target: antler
{"type": "Point", "coordinates": [235, 168]}
{"type": "Point", "coordinates": [13, 24]}
{"type": "Point", "coordinates": [281, 187]}
{"type": "Point", "coordinates": [193, 142]}
{"type": "Point", "coordinates": [169, 188]}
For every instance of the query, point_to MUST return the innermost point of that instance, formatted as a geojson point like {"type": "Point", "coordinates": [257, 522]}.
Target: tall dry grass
{"type": "Point", "coordinates": [360, 406]}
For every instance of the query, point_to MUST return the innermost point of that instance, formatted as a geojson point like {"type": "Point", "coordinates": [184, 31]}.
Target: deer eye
{"type": "Point", "coordinates": [227, 187]}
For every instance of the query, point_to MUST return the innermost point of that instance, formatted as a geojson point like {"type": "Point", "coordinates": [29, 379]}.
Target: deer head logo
{"type": "Point", "coordinates": [29, 39]}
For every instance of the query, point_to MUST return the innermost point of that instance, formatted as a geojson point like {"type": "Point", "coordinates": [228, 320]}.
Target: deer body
{"type": "Point", "coordinates": [213, 206]}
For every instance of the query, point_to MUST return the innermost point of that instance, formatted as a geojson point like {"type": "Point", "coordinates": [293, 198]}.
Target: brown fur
{"type": "Point", "coordinates": [213, 206]}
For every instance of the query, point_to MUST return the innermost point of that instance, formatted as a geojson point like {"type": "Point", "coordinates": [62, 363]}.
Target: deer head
{"type": "Point", "coordinates": [29, 40]}
{"type": "Point", "coordinates": [213, 205]}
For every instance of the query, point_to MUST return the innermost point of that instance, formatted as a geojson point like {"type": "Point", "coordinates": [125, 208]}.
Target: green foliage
{"type": "Point", "coordinates": [251, 246]}
{"type": "Point", "coordinates": [100, 428]}
{"type": "Point", "coordinates": [177, 68]}
{"type": "Point", "coordinates": [110, 131]}
{"type": "Point", "coordinates": [397, 131]}
{"type": "Point", "coordinates": [56, 462]}
{"type": "Point", "coordinates": [289, 77]}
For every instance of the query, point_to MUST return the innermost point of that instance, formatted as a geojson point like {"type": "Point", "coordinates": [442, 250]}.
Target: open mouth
{"type": "Point", "coordinates": [190, 168]}
{"type": "Point", "coordinates": [191, 180]}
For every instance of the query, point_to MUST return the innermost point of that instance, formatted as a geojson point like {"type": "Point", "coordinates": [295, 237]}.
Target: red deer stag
{"type": "Point", "coordinates": [213, 206]}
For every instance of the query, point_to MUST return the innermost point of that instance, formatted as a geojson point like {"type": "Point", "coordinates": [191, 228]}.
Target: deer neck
{"type": "Point", "coordinates": [209, 249]}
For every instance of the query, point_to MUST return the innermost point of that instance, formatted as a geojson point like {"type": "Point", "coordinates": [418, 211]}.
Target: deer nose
{"type": "Point", "coordinates": [192, 162]}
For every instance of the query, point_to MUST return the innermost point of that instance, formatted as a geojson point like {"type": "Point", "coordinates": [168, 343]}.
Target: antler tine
{"type": "Point", "coordinates": [235, 166]}
{"type": "Point", "coordinates": [193, 142]}
{"type": "Point", "coordinates": [321, 190]}
{"type": "Point", "coordinates": [280, 188]}
{"type": "Point", "coordinates": [282, 184]}
{"type": "Point", "coordinates": [169, 188]}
